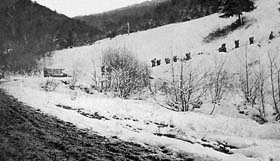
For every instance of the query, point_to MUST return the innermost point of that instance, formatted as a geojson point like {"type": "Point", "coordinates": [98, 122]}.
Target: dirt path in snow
{"type": "Point", "coordinates": [27, 134]}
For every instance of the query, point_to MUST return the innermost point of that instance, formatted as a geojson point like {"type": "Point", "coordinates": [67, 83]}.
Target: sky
{"type": "Point", "coordinates": [73, 8]}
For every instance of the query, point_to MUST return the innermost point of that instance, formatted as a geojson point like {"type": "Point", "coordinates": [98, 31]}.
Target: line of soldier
{"type": "Point", "coordinates": [106, 70]}
{"type": "Point", "coordinates": [157, 62]}
{"type": "Point", "coordinates": [237, 45]}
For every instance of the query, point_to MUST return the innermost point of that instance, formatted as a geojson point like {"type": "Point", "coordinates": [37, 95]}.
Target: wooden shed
{"type": "Point", "coordinates": [54, 72]}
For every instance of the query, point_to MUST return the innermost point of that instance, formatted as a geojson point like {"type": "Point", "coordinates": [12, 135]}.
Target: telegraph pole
{"type": "Point", "coordinates": [128, 28]}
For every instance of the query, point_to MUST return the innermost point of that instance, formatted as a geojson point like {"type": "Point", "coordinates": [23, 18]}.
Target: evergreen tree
{"type": "Point", "coordinates": [236, 8]}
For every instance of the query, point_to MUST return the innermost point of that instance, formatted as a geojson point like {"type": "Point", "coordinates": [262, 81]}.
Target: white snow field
{"type": "Point", "coordinates": [138, 121]}
{"type": "Point", "coordinates": [141, 121]}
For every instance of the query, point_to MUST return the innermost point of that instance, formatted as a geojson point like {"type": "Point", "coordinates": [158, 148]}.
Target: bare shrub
{"type": "Point", "coordinates": [127, 74]}
{"type": "Point", "coordinates": [222, 32]}
{"type": "Point", "coordinates": [186, 93]}
{"type": "Point", "coordinates": [218, 83]}
{"type": "Point", "coordinates": [50, 85]}
{"type": "Point", "coordinates": [249, 81]}
{"type": "Point", "coordinates": [275, 83]}
{"type": "Point", "coordinates": [73, 79]}
{"type": "Point", "coordinates": [94, 84]}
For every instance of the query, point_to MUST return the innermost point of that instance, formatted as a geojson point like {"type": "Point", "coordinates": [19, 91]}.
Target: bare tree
{"type": "Point", "coordinates": [272, 68]}
{"type": "Point", "coordinates": [218, 83]}
{"type": "Point", "coordinates": [248, 81]}
{"type": "Point", "coordinates": [260, 74]}
{"type": "Point", "coordinates": [186, 92]}
{"type": "Point", "coordinates": [126, 74]}
{"type": "Point", "coordinates": [94, 77]}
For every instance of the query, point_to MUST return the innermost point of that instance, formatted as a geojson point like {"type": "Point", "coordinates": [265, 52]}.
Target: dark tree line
{"type": "Point", "coordinates": [231, 8]}
{"type": "Point", "coordinates": [29, 30]}
{"type": "Point", "coordinates": [151, 14]}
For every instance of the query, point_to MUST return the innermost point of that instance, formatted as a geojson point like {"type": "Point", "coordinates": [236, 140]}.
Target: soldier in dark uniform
{"type": "Point", "coordinates": [158, 62]}
{"type": "Point", "coordinates": [102, 70]}
{"type": "Point", "coordinates": [251, 40]}
{"type": "Point", "coordinates": [109, 69]}
{"type": "Point", "coordinates": [153, 62]}
{"type": "Point", "coordinates": [271, 36]}
{"type": "Point", "coordinates": [223, 48]}
{"type": "Point", "coordinates": [167, 60]}
{"type": "Point", "coordinates": [188, 56]}
{"type": "Point", "coordinates": [175, 58]}
{"type": "Point", "coordinates": [236, 42]}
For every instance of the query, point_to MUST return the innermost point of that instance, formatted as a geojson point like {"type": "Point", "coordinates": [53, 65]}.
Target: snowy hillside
{"type": "Point", "coordinates": [219, 137]}
{"type": "Point", "coordinates": [227, 135]}
{"type": "Point", "coordinates": [176, 39]}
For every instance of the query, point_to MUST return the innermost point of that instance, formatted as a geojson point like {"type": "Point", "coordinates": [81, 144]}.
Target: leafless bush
{"type": "Point", "coordinates": [73, 79]}
{"type": "Point", "coordinates": [218, 84]}
{"type": "Point", "coordinates": [127, 74]}
{"type": "Point", "coordinates": [50, 85]}
{"type": "Point", "coordinates": [275, 83]}
{"type": "Point", "coordinates": [186, 93]}
{"type": "Point", "coordinates": [261, 84]}
{"type": "Point", "coordinates": [94, 78]}
{"type": "Point", "coordinates": [249, 81]}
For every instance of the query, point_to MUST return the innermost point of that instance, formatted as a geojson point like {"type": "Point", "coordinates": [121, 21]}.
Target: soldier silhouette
{"type": "Point", "coordinates": [271, 36]}
{"type": "Point", "coordinates": [158, 62]}
{"type": "Point", "coordinates": [188, 56]}
{"type": "Point", "coordinates": [175, 58]}
{"type": "Point", "coordinates": [109, 69]}
{"type": "Point", "coordinates": [223, 48]}
{"type": "Point", "coordinates": [251, 40]}
{"type": "Point", "coordinates": [167, 60]}
{"type": "Point", "coordinates": [153, 62]}
{"type": "Point", "coordinates": [236, 42]}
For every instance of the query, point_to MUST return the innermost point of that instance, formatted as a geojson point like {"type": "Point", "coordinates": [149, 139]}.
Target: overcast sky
{"type": "Point", "coordinates": [73, 8]}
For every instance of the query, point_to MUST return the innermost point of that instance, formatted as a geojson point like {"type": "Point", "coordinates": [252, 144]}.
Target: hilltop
{"type": "Point", "coordinates": [150, 14]}
{"type": "Point", "coordinates": [29, 30]}
{"type": "Point", "coordinates": [237, 129]}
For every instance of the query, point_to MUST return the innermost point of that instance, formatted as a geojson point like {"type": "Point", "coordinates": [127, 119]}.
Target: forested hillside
{"type": "Point", "coordinates": [28, 30]}
{"type": "Point", "coordinates": [151, 14]}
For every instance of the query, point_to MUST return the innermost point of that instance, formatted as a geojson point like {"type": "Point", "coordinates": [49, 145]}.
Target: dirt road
{"type": "Point", "coordinates": [28, 134]}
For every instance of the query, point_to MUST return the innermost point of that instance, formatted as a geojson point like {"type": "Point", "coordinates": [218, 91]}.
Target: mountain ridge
{"type": "Point", "coordinates": [150, 14]}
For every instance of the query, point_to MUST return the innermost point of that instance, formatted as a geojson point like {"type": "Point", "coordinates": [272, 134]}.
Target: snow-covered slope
{"type": "Point", "coordinates": [177, 39]}
{"type": "Point", "coordinates": [140, 121]}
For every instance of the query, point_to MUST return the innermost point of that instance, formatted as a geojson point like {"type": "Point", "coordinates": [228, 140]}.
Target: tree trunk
{"type": "Point", "coordinates": [181, 89]}
{"type": "Point", "coordinates": [278, 83]}
{"type": "Point", "coordinates": [214, 107]}
{"type": "Point", "coordinates": [247, 75]}
{"type": "Point", "coordinates": [240, 19]}
{"type": "Point", "coordinates": [189, 91]}
{"type": "Point", "coordinates": [273, 90]}
{"type": "Point", "coordinates": [262, 99]}
{"type": "Point", "coordinates": [262, 81]}
{"type": "Point", "coordinates": [173, 78]}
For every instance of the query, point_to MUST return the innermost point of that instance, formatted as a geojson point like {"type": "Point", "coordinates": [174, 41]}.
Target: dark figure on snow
{"type": "Point", "coordinates": [236, 42]}
{"type": "Point", "coordinates": [109, 69]}
{"type": "Point", "coordinates": [158, 62]}
{"type": "Point", "coordinates": [188, 56]}
{"type": "Point", "coordinates": [167, 60]}
{"type": "Point", "coordinates": [223, 48]}
{"type": "Point", "coordinates": [153, 62]}
{"type": "Point", "coordinates": [175, 58]}
{"type": "Point", "coordinates": [251, 40]}
{"type": "Point", "coordinates": [271, 36]}
{"type": "Point", "coordinates": [103, 69]}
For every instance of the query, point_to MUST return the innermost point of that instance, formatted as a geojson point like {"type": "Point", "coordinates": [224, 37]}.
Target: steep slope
{"type": "Point", "coordinates": [28, 30]}
{"type": "Point", "coordinates": [203, 136]}
{"type": "Point", "coordinates": [227, 135]}
{"type": "Point", "coordinates": [151, 14]}
{"type": "Point", "coordinates": [179, 38]}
